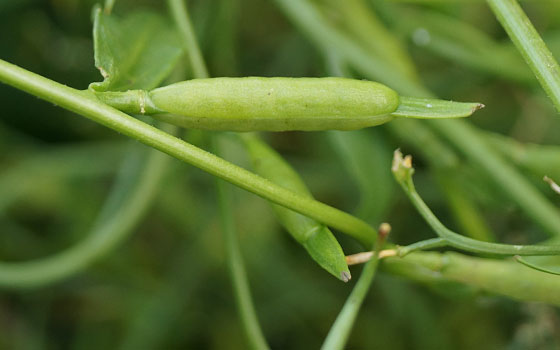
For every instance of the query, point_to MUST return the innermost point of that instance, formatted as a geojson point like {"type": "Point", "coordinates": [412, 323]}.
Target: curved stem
{"type": "Point", "coordinates": [402, 169]}
{"type": "Point", "coordinates": [466, 138]}
{"type": "Point", "coordinates": [135, 188]}
{"type": "Point", "coordinates": [422, 245]}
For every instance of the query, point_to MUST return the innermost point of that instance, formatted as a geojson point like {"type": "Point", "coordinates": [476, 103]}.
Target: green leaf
{"type": "Point", "coordinates": [427, 108]}
{"type": "Point", "coordinates": [135, 52]}
{"type": "Point", "coordinates": [315, 237]}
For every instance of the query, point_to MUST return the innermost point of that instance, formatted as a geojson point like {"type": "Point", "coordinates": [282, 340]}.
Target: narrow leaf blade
{"type": "Point", "coordinates": [426, 108]}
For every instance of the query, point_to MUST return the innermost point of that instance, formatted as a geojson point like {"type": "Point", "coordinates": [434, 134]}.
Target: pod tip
{"type": "Point", "coordinates": [477, 107]}
{"type": "Point", "coordinates": [345, 276]}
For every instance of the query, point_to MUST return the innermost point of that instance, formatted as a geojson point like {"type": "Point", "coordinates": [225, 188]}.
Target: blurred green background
{"type": "Point", "coordinates": [166, 286]}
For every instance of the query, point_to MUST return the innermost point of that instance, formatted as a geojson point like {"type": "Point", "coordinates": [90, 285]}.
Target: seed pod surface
{"type": "Point", "coordinates": [275, 104]}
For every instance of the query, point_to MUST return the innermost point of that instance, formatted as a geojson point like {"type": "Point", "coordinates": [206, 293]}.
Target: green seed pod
{"type": "Point", "coordinates": [315, 237]}
{"type": "Point", "coordinates": [273, 104]}
{"type": "Point", "coordinates": [280, 104]}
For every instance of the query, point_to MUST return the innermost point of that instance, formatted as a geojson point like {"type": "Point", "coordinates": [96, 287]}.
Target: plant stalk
{"type": "Point", "coordinates": [87, 105]}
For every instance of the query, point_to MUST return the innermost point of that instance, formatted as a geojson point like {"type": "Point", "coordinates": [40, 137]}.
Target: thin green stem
{"type": "Point", "coordinates": [422, 245]}
{"type": "Point", "coordinates": [235, 264]}
{"type": "Point", "coordinates": [238, 276]}
{"type": "Point", "coordinates": [471, 143]}
{"type": "Point", "coordinates": [85, 104]}
{"type": "Point", "coordinates": [340, 330]}
{"type": "Point", "coordinates": [183, 23]}
{"type": "Point", "coordinates": [402, 169]}
{"type": "Point", "coordinates": [530, 44]}
{"type": "Point", "coordinates": [401, 251]}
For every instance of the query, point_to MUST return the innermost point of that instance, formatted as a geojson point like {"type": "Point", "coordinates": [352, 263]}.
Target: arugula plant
{"type": "Point", "coordinates": [144, 89]}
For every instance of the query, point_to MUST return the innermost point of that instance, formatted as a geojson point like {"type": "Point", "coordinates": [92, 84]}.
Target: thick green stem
{"type": "Point", "coordinates": [85, 104]}
{"type": "Point", "coordinates": [530, 44]}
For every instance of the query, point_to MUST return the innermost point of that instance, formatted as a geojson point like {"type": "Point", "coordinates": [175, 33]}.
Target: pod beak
{"type": "Point", "coordinates": [345, 276]}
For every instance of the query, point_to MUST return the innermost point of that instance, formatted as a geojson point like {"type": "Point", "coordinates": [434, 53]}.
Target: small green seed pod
{"type": "Point", "coordinates": [275, 104]}
{"type": "Point", "coordinates": [315, 237]}
{"type": "Point", "coordinates": [272, 104]}
{"type": "Point", "coordinates": [280, 104]}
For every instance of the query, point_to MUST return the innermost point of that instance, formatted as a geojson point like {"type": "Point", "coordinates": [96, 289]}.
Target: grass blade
{"type": "Point", "coordinates": [530, 44]}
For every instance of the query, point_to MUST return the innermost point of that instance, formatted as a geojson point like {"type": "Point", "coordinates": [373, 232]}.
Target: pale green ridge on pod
{"type": "Point", "coordinates": [315, 237]}
{"type": "Point", "coordinates": [275, 104]}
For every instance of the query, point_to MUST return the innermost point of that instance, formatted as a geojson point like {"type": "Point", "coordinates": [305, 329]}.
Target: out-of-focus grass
{"type": "Point", "coordinates": [167, 285]}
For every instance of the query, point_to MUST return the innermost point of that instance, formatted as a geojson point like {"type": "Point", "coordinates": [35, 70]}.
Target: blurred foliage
{"type": "Point", "coordinates": [167, 287]}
